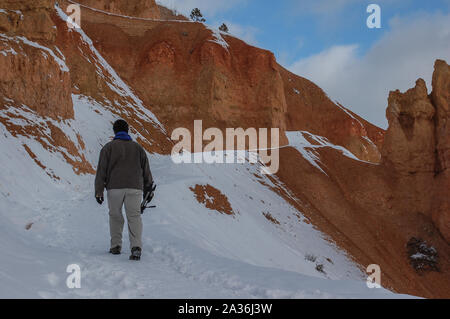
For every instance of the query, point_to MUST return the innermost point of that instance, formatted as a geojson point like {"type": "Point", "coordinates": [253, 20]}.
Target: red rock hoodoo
{"type": "Point", "coordinates": [417, 147]}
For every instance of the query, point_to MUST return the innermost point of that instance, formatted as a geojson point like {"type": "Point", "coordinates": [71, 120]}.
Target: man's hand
{"type": "Point", "coordinates": [100, 199]}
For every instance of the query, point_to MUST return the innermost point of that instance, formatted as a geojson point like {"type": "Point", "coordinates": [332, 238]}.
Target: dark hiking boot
{"type": "Point", "coordinates": [115, 250]}
{"type": "Point", "coordinates": [135, 253]}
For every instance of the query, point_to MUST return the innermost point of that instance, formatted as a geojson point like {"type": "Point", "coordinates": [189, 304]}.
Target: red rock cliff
{"type": "Point", "coordinates": [184, 72]}
{"type": "Point", "coordinates": [31, 76]}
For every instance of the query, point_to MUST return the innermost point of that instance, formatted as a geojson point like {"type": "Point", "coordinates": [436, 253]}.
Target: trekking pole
{"type": "Point", "coordinates": [147, 199]}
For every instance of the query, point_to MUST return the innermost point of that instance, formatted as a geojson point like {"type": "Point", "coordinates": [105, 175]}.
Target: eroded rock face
{"type": "Point", "coordinates": [441, 100]}
{"type": "Point", "coordinates": [136, 8]}
{"type": "Point", "coordinates": [28, 18]}
{"type": "Point", "coordinates": [185, 73]}
{"type": "Point", "coordinates": [33, 78]}
{"type": "Point", "coordinates": [33, 71]}
{"type": "Point", "coordinates": [417, 148]}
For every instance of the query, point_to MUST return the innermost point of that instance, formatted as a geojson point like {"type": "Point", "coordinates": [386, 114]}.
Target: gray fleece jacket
{"type": "Point", "coordinates": [122, 164]}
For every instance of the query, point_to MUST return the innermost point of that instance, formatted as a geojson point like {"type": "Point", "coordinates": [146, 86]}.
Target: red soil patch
{"type": "Point", "coordinates": [212, 198]}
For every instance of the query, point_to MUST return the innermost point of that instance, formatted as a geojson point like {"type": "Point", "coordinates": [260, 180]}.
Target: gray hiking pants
{"type": "Point", "coordinates": [132, 199]}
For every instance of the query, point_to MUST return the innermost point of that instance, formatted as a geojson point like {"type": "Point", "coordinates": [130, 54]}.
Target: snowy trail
{"type": "Point", "coordinates": [74, 241]}
{"type": "Point", "coordinates": [165, 270]}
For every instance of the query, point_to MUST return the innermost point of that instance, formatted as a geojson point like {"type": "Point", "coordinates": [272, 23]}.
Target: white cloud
{"type": "Point", "coordinates": [402, 55]}
{"type": "Point", "coordinates": [209, 8]}
{"type": "Point", "coordinates": [328, 65]}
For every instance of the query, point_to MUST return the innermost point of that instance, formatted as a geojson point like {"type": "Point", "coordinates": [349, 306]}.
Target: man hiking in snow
{"type": "Point", "coordinates": [124, 170]}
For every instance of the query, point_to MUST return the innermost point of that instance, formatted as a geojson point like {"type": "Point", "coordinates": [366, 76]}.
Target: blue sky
{"type": "Point", "coordinates": [329, 42]}
{"type": "Point", "coordinates": [295, 29]}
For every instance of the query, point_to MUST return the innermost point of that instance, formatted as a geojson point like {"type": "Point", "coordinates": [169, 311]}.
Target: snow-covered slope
{"type": "Point", "coordinates": [49, 220]}
{"type": "Point", "coordinates": [190, 250]}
